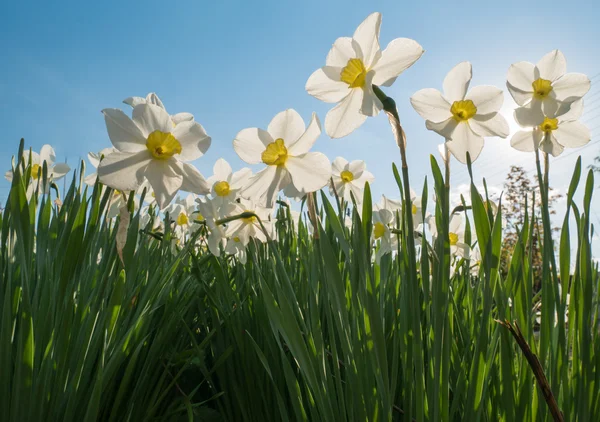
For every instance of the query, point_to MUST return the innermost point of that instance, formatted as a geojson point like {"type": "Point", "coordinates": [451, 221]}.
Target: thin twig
{"type": "Point", "coordinates": [538, 371]}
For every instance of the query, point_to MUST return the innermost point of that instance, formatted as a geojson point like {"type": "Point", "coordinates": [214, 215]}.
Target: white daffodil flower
{"type": "Point", "coordinates": [381, 233]}
{"type": "Point", "coordinates": [456, 235]}
{"type": "Point", "coordinates": [210, 212]}
{"type": "Point", "coordinates": [150, 148]}
{"type": "Point", "coordinates": [546, 85]}
{"type": "Point", "coordinates": [386, 203]}
{"type": "Point", "coordinates": [349, 178]}
{"type": "Point", "coordinates": [246, 228]}
{"type": "Point", "coordinates": [184, 213]}
{"type": "Point", "coordinates": [551, 134]}
{"type": "Point", "coordinates": [283, 147]}
{"type": "Point", "coordinates": [225, 184]}
{"type": "Point", "coordinates": [94, 158]}
{"type": "Point", "coordinates": [462, 118]}
{"type": "Point", "coordinates": [47, 155]}
{"type": "Point", "coordinates": [236, 247]}
{"type": "Point", "coordinates": [152, 98]}
{"type": "Point", "coordinates": [352, 67]}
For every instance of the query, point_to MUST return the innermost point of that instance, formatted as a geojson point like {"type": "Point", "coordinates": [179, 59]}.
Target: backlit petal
{"type": "Point", "coordinates": [552, 66]}
{"type": "Point", "coordinates": [150, 118]}
{"type": "Point", "coordinates": [487, 99]}
{"type": "Point", "coordinates": [399, 55]}
{"type": "Point", "coordinates": [431, 105]}
{"type": "Point", "coordinates": [192, 181]}
{"type": "Point", "coordinates": [250, 143]}
{"type": "Point", "coordinates": [572, 134]}
{"type": "Point", "coordinates": [496, 125]}
{"type": "Point", "coordinates": [456, 82]}
{"type": "Point", "coordinates": [287, 125]}
{"type": "Point", "coordinates": [342, 50]}
{"type": "Point", "coordinates": [345, 117]}
{"type": "Point", "coordinates": [193, 139]}
{"type": "Point", "coordinates": [164, 179]}
{"type": "Point", "coordinates": [310, 171]}
{"type": "Point", "coordinates": [367, 37]}
{"type": "Point", "coordinates": [520, 76]}
{"type": "Point", "coordinates": [571, 87]}
{"type": "Point", "coordinates": [445, 128]}
{"type": "Point", "coordinates": [526, 141]}
{"type": "Point", "coordinates": [124, 134]}
{"type": "Point", "coordinates": [325, 85]}
{"type": "Point", "coordinates": [465, 140]}
{"type": "Point", "coordinates": [124, 171]}
{"type": "Point", "coordinates": [308, 138]}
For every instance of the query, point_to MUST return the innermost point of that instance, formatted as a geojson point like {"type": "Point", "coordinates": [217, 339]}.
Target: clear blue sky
{"type": "Point", "coordinates": [235, 64]}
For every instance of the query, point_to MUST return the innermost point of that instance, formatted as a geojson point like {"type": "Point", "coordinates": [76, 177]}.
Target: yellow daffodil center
{"type": "Point", "coordinates": [276, 153]}
{"type": "Point", "coordinates": [182, 219]}
{"type": "Point", "coordinates": [548, 125]}
{"type": "Point", "coordinates": [463, 110]}
{"type": "Point", "coordinates": [378, 230]}
{"type": "Point", "coordinates": [222, 188]}
{"type": "Point", "coordinates": [199, 217]}
{"type": "Point", "coordinates": [453, 238]}
{"type": "Point", "coordinates": [414, 209]}
{"type": "Point", "coordinates": [162, 145]}
{"type": "Point", "coordinates": [541, 88]}
{"type": "Point", "coordinates": [347, 176]}
{"type": "Point", "coordinates": [236, 239]}
{"type": "Point", "coordinates": [354, 73]}
{"type": "Point", "coordinates": [35, 171]}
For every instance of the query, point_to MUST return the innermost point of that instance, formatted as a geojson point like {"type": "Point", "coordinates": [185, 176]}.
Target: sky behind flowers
{"type": "Point", "coordinates": [235, 64]}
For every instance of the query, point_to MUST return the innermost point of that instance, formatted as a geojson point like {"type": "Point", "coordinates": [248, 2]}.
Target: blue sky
{"type": "Point", "coordinates": [235, 64]}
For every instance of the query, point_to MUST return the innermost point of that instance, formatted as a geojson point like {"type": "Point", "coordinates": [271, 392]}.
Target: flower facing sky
{"type": "Point", "coordinates": [462, 118]}
{"type": "Point", "coordinates": [352, 67]}
{"type": "Point", "coordinates": [283, 148]}
{"type": "Point", "coordinates": [546, 85]}
{"type": "Point", "coordinates": [152, 98]}
{"type": "Point", "coordinates": [224, 183]}
{"type": "Point", "coordinates": [551, 134]}
{"type": "Point", "coordinates": [150, 147]}
{"type": "Point", "coordinates": [349, 178]}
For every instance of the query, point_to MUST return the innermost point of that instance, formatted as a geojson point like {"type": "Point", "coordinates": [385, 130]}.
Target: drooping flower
{"type": "Point", "coordinates": [462, 118]}
{"type": "Point", "coordinates": [349, 178]}
{"type": "Point", "coordinates": [150, 148]}
{"type": "Point", "coordinates": [352, 67]}
{"type": "Point", "coordinates": [551, 134]}
{"type": "Point", "coordinates": [56, 171]}
{"type": "Point", "coordinates": [546, 85]}
{"type": "Point", "coordinates": [152, 98]}
{"type": "Point", "coordinates": [283, 147]}
{"type": "Point", "coordinates": [225, 184]}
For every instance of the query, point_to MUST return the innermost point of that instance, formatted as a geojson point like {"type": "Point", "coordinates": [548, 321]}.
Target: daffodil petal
{"type": "Point", "coordinates": [124, 171]}
{"type": "Point", "coordinates": [465, 140]}
{"type": "Point", "coordinates": [164, 179]}
{"type": "Point", "coordinates": [305, 142]}
{"type": "Point", "coordinates": [399, 55]}
{"type": "Point", "coordinates": [572, 134]}
{"type": "Point", "coordinates": [571, 87]}
{"type": "Point", "coordinates": [488, 99]}
{"type": "Point", "coordinates": [371, 105]}
{"type": "Point", "coordinates": [367, 37]}
{"type": "Point", "coordinates": [310, 171]}
{"type": "Point", "coordinates": [456, 82]}
{"type": "Point", "coordinates": [345, 117]}
{"type": "Point", "coordinates": [530, 115]}
{"type": "Point", "coordinates": [496, 125]}
{"type": "Point", "coordinates": [150, 118]}
{"type": "Point", "coordinates": [526, 141]}
{"type": "Point", "coordinates": [343, 49]}
{"type": "Point", "coordinates": [552, 66]}
{"type": "Point", "coordinates": [124, 134]}
{"type": "Point", "coordinates": [287, 125]}
{"type": "Point", "coordinates": [520, 76]}
{"type": "Point", "coordinates": [250, 143]}
{"type": "Point", "coordinates": [325, 85]}
{"type": "Point", "coordinates": [431, 105]}
{"type": "Point", "coordinates": [222, 169]}
{"type": "Point", "coordinates": [265, 184]}
{"type": "Point", "coordinates": [192, 181]}
{"type": "Point", "coordinates": [445, 128]}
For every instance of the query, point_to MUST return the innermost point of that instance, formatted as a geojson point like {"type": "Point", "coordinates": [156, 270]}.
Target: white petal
{"type": "Point", "coordinates": [164, 179]}
{"type": "Point", "coordinates": [133, 101]}
{"type": "Point", "coordinates": [530, 115]}
{"type": "Point", "coordinates": [552, 66]}
{"type": "Point", "coordinates": [550, 106]}
{"type": "Point", "coordinates": [357, 167]}
{"type": "Point", "coordinates": [521, 76]}
{"type": "Point", "coordinates": [91, 179]}
{"type": "Point", "coordinates": [59, 170]}
{"type": "Point", "coordinates": [367, 37]}
{"type": "Point", "coordinates": [456, 82]}
{"type": "Point", "coordinates": [222, 170]}
{"type": "Point", "coordinates": [550, 145]}
{"type": "Point", "coordinates": [365, 176]}
{"type": "Point", "coordinates": [308, 138]}
{"type": "Point", "coordinates": [266, 184]}
{"type": "Point", "coordinates": [182, 117]}
{"type": "Point", "coordinates": [456, 223]}
{"type": "Point", "coordinates": [526, 141]}
{"type": "Point", "coordinates": [571, 87]}
{"type": "Point", "coordinates": [124, 134]}
{"type": "Point", "coordinates": [150, 117]}
{"type": "Point", "coordinates": [250, 143]}
{"type": "Point", "coordinates": [339, 165]}
{"type": "Point", "coordinates": [431, 105]}
{"type": "Point", "coordinates": [465, 140]}
{"type": "Point", "coordinates": [520, 97]}
{"type": "Point", "coordinates": [496, 125]}
{"type": "Point", "coordinates": [325, 85]}
{"type": "Point", "coordinates": [124, 171]}
{"type": "Point", "coordinates": [572, 134]}
{"type": "Point", "coordinates": [152, 98]}
{"type": "Point", "coordinates": [445, 128]}
{"type": "Point", "coordinates": [47, 154]}
{"type": "Point", "coordinates": [371, 105]}
{"type": "Point", "coordinates": [239, 178]}
{"type": "Point", "coordinates": [94, 159]}
{"type": "Point", "coordinates": [571, 112]}
{"type": "Point", "coordinates": [399, 55]}
{"type": "Point", "coordinates": [342, 50]}
{"type": "Point", "coordinates": [487, 99]}
{"type": "Point", "coordinates": [192, 181]}
{"type": "Point", "coordinates": [345, 117]}
{"type": "Point", "coordinates": [287, 125]}
{"type": "Point", "coordinates": [310, 171]}
{"type": "Point", "coordinates": [193, 139]}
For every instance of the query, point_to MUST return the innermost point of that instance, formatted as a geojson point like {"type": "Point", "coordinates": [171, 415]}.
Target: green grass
{"type": "Point", "coordinates": [310, 328]}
